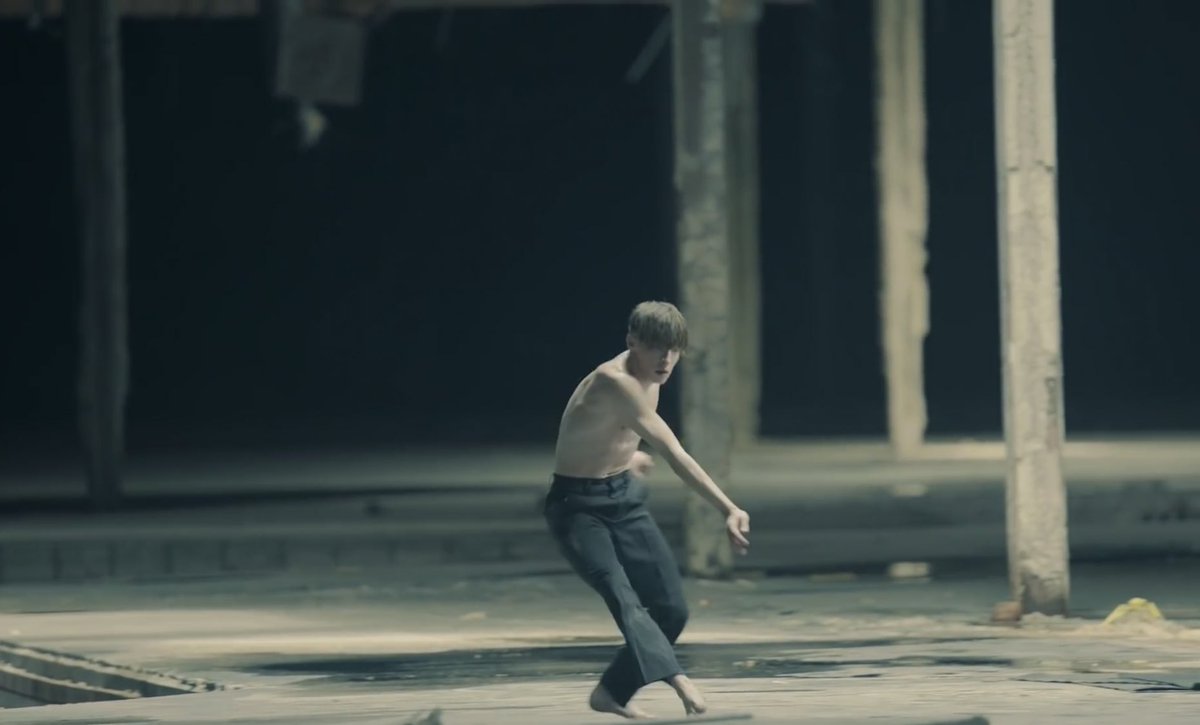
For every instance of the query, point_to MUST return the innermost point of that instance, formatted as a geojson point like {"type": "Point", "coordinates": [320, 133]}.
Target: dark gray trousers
{"type": "Point", "coordinates": [605, 532]}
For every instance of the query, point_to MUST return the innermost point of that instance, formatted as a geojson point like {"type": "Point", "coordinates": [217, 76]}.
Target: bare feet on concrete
{"type": "Point", "coordinates": [693, 701]}
{"type": "Point", "coordinates": [601, 701]}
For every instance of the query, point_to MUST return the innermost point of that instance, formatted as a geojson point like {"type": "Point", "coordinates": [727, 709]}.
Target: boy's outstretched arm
{"type": "Point", "coordinates": [646, 422]}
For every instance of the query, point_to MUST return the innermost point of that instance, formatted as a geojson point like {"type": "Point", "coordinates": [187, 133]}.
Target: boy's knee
{"type": "Point", "coordinates": [672, 618]}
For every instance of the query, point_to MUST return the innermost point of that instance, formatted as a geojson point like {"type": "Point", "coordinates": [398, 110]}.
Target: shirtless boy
{"type": "Point", "coordinates": [596, 512]}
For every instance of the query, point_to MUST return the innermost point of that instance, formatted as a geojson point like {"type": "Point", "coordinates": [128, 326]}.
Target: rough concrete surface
{"type": "Point", "coordinates": [340, 588]}
{"type": "Point", "coordinates": [492, 646]}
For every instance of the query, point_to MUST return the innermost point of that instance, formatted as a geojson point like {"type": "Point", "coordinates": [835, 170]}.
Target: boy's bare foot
{"type": "Point", "coordinates": [601, 701]}
{"type": "Point", "coordinates": [693, 701]}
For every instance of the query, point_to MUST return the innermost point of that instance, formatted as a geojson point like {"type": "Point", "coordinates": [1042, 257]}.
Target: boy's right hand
{"type": "Point", "coordinates": [737, 525]}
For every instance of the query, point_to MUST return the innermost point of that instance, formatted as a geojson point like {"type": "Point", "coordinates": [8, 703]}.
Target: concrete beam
{"type": "Point", "coordinates": [361, 8]}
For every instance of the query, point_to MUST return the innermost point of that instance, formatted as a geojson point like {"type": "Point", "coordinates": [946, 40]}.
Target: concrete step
{"type": "Point", "coordinates": [205, 552]}
{"type": "Point", "coordinates": [42, 676]}
{"type": "Point", "coordinates": [818, 527]}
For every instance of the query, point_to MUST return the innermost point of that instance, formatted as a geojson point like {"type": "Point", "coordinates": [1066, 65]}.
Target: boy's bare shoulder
{"type": "Point", "coordinates": [611, 381]}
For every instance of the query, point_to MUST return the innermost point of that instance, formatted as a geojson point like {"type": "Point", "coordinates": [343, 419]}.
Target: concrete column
{"type": "Point", "coordinates": [903, 215]}
{"type": "Point", "coordinates": [818, 231]}
{"type": "Point", "coordinates": [740, 24]}
{"type": "Point", "coordinates": [1026, 160]}
{"type": "Point", "coordinates": [704, 276]}
{"type": "Point", "coordinates": [98, 133]}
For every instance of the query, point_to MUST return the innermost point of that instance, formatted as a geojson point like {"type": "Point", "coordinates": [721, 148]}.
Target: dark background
{"type": "Point", "coordinates": [465, 245]}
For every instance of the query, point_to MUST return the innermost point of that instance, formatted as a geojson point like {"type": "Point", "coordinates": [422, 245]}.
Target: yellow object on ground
{"type": "Point", "coordinates": [1136, 608]}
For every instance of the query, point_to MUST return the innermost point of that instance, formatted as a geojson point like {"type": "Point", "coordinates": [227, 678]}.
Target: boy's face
{"type": "Point", "coordinates": [653, 364]}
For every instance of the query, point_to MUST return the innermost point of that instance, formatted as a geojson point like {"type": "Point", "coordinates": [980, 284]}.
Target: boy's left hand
{"type": "Point", "coordinates": [641, 464]}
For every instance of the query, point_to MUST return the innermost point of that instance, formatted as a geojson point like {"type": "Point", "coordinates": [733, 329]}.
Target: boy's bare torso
{"type": "Point", "coordinates": [593, 441]}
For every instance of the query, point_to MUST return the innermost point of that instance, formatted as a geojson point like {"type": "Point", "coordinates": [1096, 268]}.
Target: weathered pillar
{"type": "Point", "coordinates": [818, 233]}
{"type": "Point", "coordinates": [740, 23]}
{"type": "Point", "coordinates": [1026, 160]}
{"type": "Point", "coordinates": [704, 276]}
{"type": "Point", "coordinates": [94, 71]}
{"type": "Point", "coordinates": [903, 215]}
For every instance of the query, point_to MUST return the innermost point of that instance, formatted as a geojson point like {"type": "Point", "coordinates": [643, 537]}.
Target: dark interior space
{"type": "Point", "coordinates": [463, 246]}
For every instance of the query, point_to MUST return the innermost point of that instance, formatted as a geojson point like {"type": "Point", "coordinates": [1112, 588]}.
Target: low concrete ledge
{"type": "Point", "coordinates": [55, 678]}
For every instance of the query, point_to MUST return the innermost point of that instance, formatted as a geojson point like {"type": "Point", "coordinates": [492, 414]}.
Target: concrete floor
{"type": "Point", "coordinates": [518, 640]}
{"type": "Point", "coordinates": [492, 646]}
